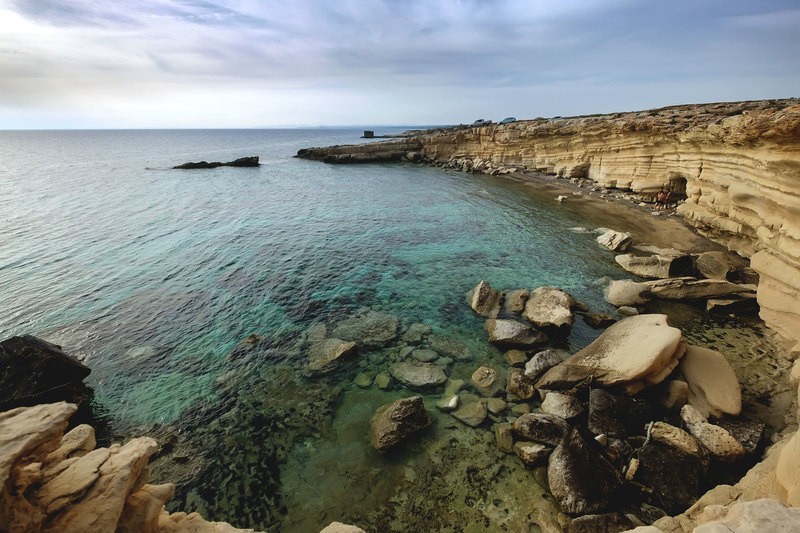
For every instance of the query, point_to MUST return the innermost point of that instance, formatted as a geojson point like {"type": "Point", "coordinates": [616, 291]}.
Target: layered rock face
{"type": "Point", "coordinates": [737, 164]}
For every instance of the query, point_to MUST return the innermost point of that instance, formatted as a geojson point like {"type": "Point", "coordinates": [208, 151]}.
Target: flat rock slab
{"type": "Point", "coordinates": [418, 375]}
{"type": "Point", "coordinates": [626, 293]}
{"type": "Point", "coordinates": [449, 347]}
{"type": "Point", "coordinates": [688, 288]}
{"type": "Point", "coordinates": [250, 161]}
{"type": "Point", "coordinates": [329, 354]}
{"type": "Point", "coordinates": [471, 412]}
{"type": "Point", "coordinates": [655, 266]}
{"type": "Point", "coordinates": [616, 241]}
{"type": "Point", "coordinates": [395, 422]}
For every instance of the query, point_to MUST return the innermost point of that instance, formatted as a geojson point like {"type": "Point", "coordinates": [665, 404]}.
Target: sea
{"type": "Point", "coordinates": [192, 296]}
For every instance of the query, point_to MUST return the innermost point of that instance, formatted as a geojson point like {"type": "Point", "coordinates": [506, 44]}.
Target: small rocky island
{"type": "Point", "coordinates": [250, 161]}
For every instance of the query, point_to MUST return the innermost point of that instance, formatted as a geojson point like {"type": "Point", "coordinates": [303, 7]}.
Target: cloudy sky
{"type": "Point", "coordinates": [260, 63]}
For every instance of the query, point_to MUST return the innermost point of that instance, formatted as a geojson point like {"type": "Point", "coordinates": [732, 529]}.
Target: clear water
{"type": "Point", "coordinates": [153, 276]}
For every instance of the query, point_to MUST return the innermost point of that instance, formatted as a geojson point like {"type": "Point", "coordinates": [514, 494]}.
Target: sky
{"type": "Point", "coordinates": [264, 63]}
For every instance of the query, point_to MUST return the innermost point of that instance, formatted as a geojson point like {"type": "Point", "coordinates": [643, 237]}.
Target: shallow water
{"type": "Point", "coordinates": [154, 276]}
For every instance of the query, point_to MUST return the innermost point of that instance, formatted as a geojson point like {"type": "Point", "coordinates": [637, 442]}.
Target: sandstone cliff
{"type": "Point", "coordinates": [738, 164]}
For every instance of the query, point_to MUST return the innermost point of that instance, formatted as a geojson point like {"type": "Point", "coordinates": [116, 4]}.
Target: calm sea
{"type": "Point", "coordinates": [153, 276]}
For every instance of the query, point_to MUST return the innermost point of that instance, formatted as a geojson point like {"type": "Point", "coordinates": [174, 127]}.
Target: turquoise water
{"type": "Point", "coordinates": [153, 277]}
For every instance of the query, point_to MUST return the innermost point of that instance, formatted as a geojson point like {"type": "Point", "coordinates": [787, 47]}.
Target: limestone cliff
{"type": "Point", "coordinates": [737, 164]}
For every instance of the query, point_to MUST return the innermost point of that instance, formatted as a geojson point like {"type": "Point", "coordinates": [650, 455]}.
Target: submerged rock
{"type": "Point", "coordinates": [512, 333]}
{"type": "Point", "coordinates": [395, 422]}
{"type": "Point", "coordinates": [562, 405]}
{"type": "Point", "coordinates": [532, 453]}
{"type": "Point", "coordinates": [516, 358]}
{"type": "Point", "coordinates": [34, 371]}
{"type": "Point", "coordinates": [328, 355]}
{"type": "Point", "coordinates": [471, 412]}
{"type": "Point", "coordinates": [485, 300]}
{"type": "Point", "coordinates": [372, 329]}
{"type": "Point", "coordinates": [487, 381]}
{"type": "Point", "coordinates": [519, 386]}
{"type": "Point", "coordinates": [550, 308]}
{"type": "Point", "coordinates": [418, 375]}
{"type": "Point", "coordinates": [416, 333]}
{"type": "Point", "coordinates": [450, 347]}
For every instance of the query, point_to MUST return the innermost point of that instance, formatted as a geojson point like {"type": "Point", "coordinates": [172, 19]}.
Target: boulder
{"type": "Point", "coordinates": [581, 478]}
{"type": "Point", "coordinates": [735, 304]}
{"type": "Point", "coordinates": [688, 288]}
{"type": "Point", "coordinates": [542, 428]}
{"type": "Point", "coordinates": [616, 241]}
{"type": "Point", "coordinates": [598, 320]}
{"type": "Point", "coordinates": [512, 333]}
{"type": "Point", "coordinates": [418, 375]}
{"type": "Point", "coordinates": [396, 421]}
{"type": "Point", "coordinates": [635, 352]}
{"type": "Point", "coordinates": [540, 363]}
{"type": "Point", "coordinates": [328, 355]}
{"type": "Point", "coordinates": [487, 381]}
{"type": "Point", "coordinates": [675, 478]}
{"type": "Point", "coordinates": [617, 416]}
{"type": "Point", "coordinates": [673, 394]}
{"type": "Point", "coordinates": [515, 301]}
{"type": "Point", "coordinates": [372, 329]}
{"type": "Point", "coordinates": [448, 403]}
{"type": "Point", "coordinates": [33, 371]}
{"type": "Point", "coordinates": [627, 310]}
{"type": "Point", "coordinates": [250, 161]}
{"type": "Point", "coordinates": [519, 386]}
{"type": "Point", "coordinates": [561, 405]}
{"type": "Point", "coordinates": [713, 386]}
{"type": "Point", "coordinates": [496, 406]}
{"type": "Point", "coordinates": [504, 436]}
{"type": "Point", "coordinates": [627, 293]}
{"type": "Point", "coordinates": [415, 333]}
{"type": "Point", "coordinates": [383, 381]}
{"type": "Point", "coordinates": [719, 265]}
{"type": "Point", "coordinates": [425, 356]}
{"type": "Point", "coordinates": [485, 300]}
{"type": "Point", "coordinates": [471, 411]}
{"type": "Point", "coordinates": [516, 358]}
{"type": "Point", "coordinates": [532, 453]}
{"type": "Point", "coordinates": [550, 308]}
{"type": "Point", "coordinates": [449, 347]}
{"type": "Point", "coordinates": [715, 439]}
{"type": "Point", "coordinates": [748, 433]}
{"type": "Point", "coordinates": [655, 266]}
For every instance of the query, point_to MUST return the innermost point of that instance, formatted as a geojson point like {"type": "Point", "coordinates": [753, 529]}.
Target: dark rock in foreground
{"type": "Point", "coordinates": [251, 161]}
{"type": "Point", "coordinates": [33, 371]}
{"type": "Point", "coordinates": [398, 420]}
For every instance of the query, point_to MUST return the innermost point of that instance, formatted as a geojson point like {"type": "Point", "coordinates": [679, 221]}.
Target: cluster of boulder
{"type": "Point", "coordinates": [722, 279]}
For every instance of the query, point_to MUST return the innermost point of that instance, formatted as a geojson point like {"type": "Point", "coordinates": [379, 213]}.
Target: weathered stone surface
{"type": "Point", "coordinates": [625, 293]}
{"type": "Point", "coordinates": [541, 362]}
{"type": "Point", "coordinates": [687, 288]}
{"type": "Point", "coordinates": [415, 333]}
{"type": "Point", "coordinates": [471, 411]}
{"type": "Point", "coordinates": [487, 381]}
{"type": "Point", "coordinates": [561, 405]}
{"type": "Point", "coordinates": [383, 381]}
{"type": "Point", "coordinates": [250, 161]}
{"type": "Point", "coordinates": [635, 352]}
{"type": "Point", "coordinates": [677, 438]}
{"type": "Point", "coordinates": [719, 265]}
{"type": "Point", "coordinates": [655, 266]}
{"type": "Point", "coordinates": [143, 509]}
{"type": "Point", "coordinates": [598, 320]}
{"type": "Point", "coordinates": [617, 416]}
{"type": "Point", "coordinates": [370, 329]}
{"type": "Point", "coordinates": [338, 527]}
{"type": "Point", "coordinates": [532, 453]}
{"type": "Point", "coordinates": [33, 371]}
{"type": "Point", "coordinates": [425, 356]}
{"type": "Point", "coordinates": [550, 308]}
{"type": "Point", "coordinates": [600, 523]}
{"type": "Point", "coordinates": [496, 405]}
{"type": "Point", "coordinates": [519, 386]}
{"type": "Point", "coordinates": [418, 375]}
{"type": "Point", "coordinates": [735, 304]}
{"type": "Point", "coordinates": [541, 427]}
{"type": "Point", "coordinates": [506, 332]}
{"type": "Point", "coordinates": [328, 355]}
{"type": "Point", "coordinates": [713, 386]}
{"type": "Point", "coordinates": [485, 300]}
{"type": "Point", "coordinates": [450, 347]}
{"type": "Point", "coordinates": [675, 477]}
{"type": "Point", "coordinates": [516, 358]}
{"type": "Point", "coordinates": [504, 436]}
{"type": "Point", "coordinates": [581, 479]}
{"type": "Point", "coordinates": [757, 516]}
{"type": "Point", "coordinates": [515, 301]}
{"type": "Point", "coordinates": [715, 439]}
{"type": "Point", "coordinates": [396, 421]}
{"type": "Point", "coordinates": [616, 241]}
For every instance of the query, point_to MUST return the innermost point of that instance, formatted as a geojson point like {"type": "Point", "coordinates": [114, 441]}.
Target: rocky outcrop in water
{"type": "Point", "coordinates": [734, 166]}
{"type": "Point", "coordinates": [250, 161]}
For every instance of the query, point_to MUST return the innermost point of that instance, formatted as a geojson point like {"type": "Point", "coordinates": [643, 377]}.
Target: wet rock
{"type": "Point", "coordinates": [418, 375]}
{"type": "Point", "coordinates": [449, 347]}
{"type": "Point", "coordinates": [485, 300]}
{"type": "Point", "coordinates": [748, 433]}
{"type": "Point", "coordinates": [363, 381]}
{"type": "Point", "coordinates": [520, 409]}
{"type": "Point", "coordinates": [328, 355]}
{"type": "Point", "coordinates": [617, 416]}
{"type": "Point", "coordinates": [601, 523]}
{"type": "Point", "coordinates": [383, 381]}
{"type": "Point", "coordinates": [656, 266]}
{"type": "Point", "coordinates": [416, 333]}
{"type": "Point", "coordinates": [471, 412]}
{"type": "Point", "coordinates": [487, 381]}
{"type": "Point", "coordinates": [532, 453]}
{"type": "Point", "coordinates": [504, 436]}
{"type": "Point", "coordinates": [396, 421]}
{"type": "Point", "coordinates": [516, 358]}
{"type": "Point", "coordinates": [713, 386]}
{"type": "Point", "coordinates": [633, 353]}
{"type": "Point", "coordinates": [453, 386]}
{"type": "Point", "coordinates": [719, 265]}
{"type": "Point", "coordinates": [542, 428]}
{"type": "Point", "coordinates": [687, 288]}
{"type": "Point", "coordinates": [626, 293]}
{"type": "Point", "coordinates": [249, 161]}
{"type": "Point", "coordinates": [580, 477]}
{"type": "Point", "coordinates": [598, 320]}
{"type": "Point", "coordinates": [675, 477]}
{"type": "Point", "coordinates": [425, 356]}
{"type": "Point", "coordinates": [715, 439]}
{"type": "Point", "coordinates": [626, 310]}
{"type": "Point", "coordinates": [540, 363]}
{"type": "Point", "coordinates": [561, 405]}
{"type": "Point", "coordinates": [515, 301]}
{"type": "Point", "coordinates": [519, 386]}
{"type": "Point", "coordinates": [372, 329]}
{"type": "Point", "coordinates": [550, 308]}
{"type": "Point", "coordinates": [34, 371]}
{"type": "Point", "coordinates": [616, 241]}
{"type": "Point", "coordinates": [512, 333]}
{"type": "Point", "coordinates": [496, 405]}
